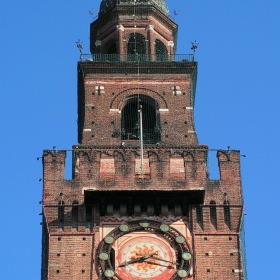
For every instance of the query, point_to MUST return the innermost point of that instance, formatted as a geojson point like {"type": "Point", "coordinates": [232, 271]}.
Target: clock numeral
{"type": "Point", "coordinates": [103, 256]}
{"type": "Point", "coordinates": [124, 227]}
{"type": "Point", "coordinates": [186, 256]}
{"type": "Point", "coordinates": [144, 224]}
{"type": "Point", "coordinates": [164, 227]}
{"type": "Point", "coordinates": [109, 273]}
{"type": "Point", "coordinates": [109, 239]}
{"type": "Point", "coordinates": [182, 273]}
{"type": "Point", "coordinates": [180, 239]}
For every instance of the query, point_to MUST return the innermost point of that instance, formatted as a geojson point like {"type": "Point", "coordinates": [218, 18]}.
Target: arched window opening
{"type": "Point", "coordinates": [75, 214]}
{"type": "Point", "coordinates": [213, 213]}
{"type": "Point", "coordinates": [227, 214]}
{"type": "Point", "coordinates": [161, 51]}
{"type": "Point", "coordinates": [199, 216]}
{"type": "Point", "coordinates": [60, 214]}
{"type": "Point", "coordinates": [136, 47]}
{"type": "Point", "coordinates": [131, 123]}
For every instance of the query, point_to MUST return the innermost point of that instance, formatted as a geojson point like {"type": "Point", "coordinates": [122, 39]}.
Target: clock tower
{"type": "Point", "coordinates": [140, 204]}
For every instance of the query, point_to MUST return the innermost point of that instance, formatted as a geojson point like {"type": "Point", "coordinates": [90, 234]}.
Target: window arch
{"type": "Point", "coordinates": [136, 47]}
{"type": "Point", "coordinates": [161, 51]}
{"type": "Point", "coordinates": [213, 213]}
{"type": "Point", "coordinates": [130, 119]}
{"type": "Point", "coordinates": [227, 217]}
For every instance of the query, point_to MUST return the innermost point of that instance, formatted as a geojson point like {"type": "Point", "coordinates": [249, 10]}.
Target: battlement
{"type": "Point", "coordinates": [103, 168]}
{"type": "Point", "coordinates": [171, 180]}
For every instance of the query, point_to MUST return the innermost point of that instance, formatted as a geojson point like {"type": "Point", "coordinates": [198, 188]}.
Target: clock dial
{"type": "Point", "coordinates": [144, 250]}
{"type": "Point", "coordinates": [148, 257]}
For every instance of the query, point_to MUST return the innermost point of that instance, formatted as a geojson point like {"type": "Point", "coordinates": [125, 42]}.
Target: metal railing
{"type": "Point", "coordinates": [100, 57]}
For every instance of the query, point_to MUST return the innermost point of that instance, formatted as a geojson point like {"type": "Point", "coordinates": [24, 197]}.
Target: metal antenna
{"type": "Point", "coordinates": [194, 46]}
{"type": "Point", "coordinates": [176, 13]}
{"type": "Point", "coordinates": [79, 45]}
{"type": "Point", "coordinates": [91, 13]}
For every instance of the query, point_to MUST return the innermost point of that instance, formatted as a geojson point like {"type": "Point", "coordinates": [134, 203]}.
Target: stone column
{"type": "Point", "coordinates": [171, 50]}
{"type": "Point", "coordinates": [151, 43]}
{"type": "Point", "coordinates": [120, 29]}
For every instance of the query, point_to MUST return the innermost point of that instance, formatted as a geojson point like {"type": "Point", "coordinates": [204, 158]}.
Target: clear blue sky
{"type": "Point", "coordinates": [237, 105]}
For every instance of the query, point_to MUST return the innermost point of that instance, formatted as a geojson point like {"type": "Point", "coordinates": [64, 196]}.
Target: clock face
{"type": "Point", "coordinates": [157, 258]}
{"type": "Point", "coordinates": [144, 250]}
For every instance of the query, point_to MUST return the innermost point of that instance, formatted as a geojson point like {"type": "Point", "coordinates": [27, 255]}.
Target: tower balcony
{"type": "Point", "coordinates": [100, 57]}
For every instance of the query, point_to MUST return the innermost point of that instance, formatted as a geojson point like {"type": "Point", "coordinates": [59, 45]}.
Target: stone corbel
{"type": "Point", "coordinates": [150, 27]}
{"type": "Point", "coordinates": [98, 43]}
{"type": "Point", "coordinates": [120, 27]}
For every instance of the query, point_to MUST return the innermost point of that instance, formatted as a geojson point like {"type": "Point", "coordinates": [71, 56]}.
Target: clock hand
{"type": "Point", "coordinates": [155, 258]}
{"type": "Point", "coordinates": [131, 261]}
{"type": "Point", "coordinates": [142, 258]}
{"type": "Point", "coordinates": [158, 264]}
{"type": "Point", "coordinates": [145, 256]}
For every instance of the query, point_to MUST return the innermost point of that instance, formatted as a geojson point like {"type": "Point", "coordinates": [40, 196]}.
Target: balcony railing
{"type": "Point", "coordinates": [100, 57]}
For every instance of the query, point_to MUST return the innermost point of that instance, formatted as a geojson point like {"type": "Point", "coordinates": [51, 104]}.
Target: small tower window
{"type": "Point", "coordinates": [89, 217]}
{"type": "Point", "coordinates": [199, 216]}
{"type": "Point", "coordinates": [161, 51]}
{"type": "Point", "coordinates": [227, 214]}
{"type": "Point", "coordinates": [60, 214]}
{"type": "Point", "coordinates": [75, 214]}
{"type": "Point", "coordinates": [213, 213]}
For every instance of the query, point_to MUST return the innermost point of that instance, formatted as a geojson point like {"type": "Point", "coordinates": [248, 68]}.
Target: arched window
{"type": "Point", "coordinates": [136, 47]}
{"type": "Point", "coordinates": [60, 214]}
{"type": "Point", "coordinates": [161, 51]}
{"type": "Point", "coordinates": [199, 216]}
{"type": "Point", "coordinates": [227, 214]}
{"type": "Point", "coordinates": [213, 213]}
{"type": "Point", "coordinates": [75, 214]}
{"type": "Point", "coordinates": [131, 123]}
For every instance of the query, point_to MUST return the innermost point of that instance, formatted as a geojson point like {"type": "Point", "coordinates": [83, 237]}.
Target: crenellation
{"type": "Point", "coordinates": [54, 165]}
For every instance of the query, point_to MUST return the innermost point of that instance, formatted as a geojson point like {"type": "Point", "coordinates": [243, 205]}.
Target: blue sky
{"type": "Point", "coordinates": [237, 105]}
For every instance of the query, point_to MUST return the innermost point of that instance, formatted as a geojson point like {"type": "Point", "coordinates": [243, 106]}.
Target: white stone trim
{"type": "Point", "coordinates": [98, 43]}
{"type": "Point", "coordinates": [115, 111]}
{"type": "Point", "coordinates": [88, 188]}
{"type": "Point", "coordinates": [150, 27]}
{"type": "Point", "coordinates": [196, 188]}
{"type": "Point", "coordinates": [120, 27]}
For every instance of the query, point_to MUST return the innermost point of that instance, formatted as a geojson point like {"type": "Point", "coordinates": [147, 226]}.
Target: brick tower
{"type": "Point", "coordinates": [140, 204]}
